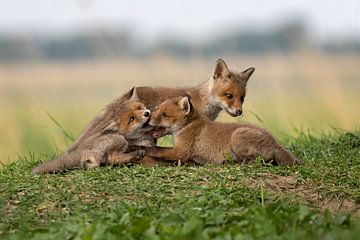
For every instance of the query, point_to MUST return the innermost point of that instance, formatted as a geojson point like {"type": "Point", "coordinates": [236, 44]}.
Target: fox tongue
{"type": "Point", "coordinates": [158, 132]}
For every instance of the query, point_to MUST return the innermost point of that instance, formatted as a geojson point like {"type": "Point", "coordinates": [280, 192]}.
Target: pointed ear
{"type": "Point", "coordinates": [111, 127]}
{"type": "Point", "coordinates": [133, 95]}
{"type": "Point", "coordinates": [246, 74]}
{"type": "Point", "coordinates": [220, 70]}
{"type": "Point", "coordinates": [185, 104]}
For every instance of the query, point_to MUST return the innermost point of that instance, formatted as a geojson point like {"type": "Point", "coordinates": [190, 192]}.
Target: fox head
{"type": "Point", "coordinates": [172, 115]}
{"type": "Point", "coordinates": [228, 88]}
{"type": "Point", "coordinates": [131, 119]}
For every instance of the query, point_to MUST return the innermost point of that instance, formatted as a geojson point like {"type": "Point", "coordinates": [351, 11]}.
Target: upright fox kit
{"type": "Point", "coordinates": [203, 141]}
{"type": "Point", "coordinates": [224, 90]}
{"type": "Point", "coordinates": [110, 145]}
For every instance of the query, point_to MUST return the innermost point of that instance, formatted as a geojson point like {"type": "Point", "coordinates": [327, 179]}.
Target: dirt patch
{"type": "Point", "coordinates": [311, 194]}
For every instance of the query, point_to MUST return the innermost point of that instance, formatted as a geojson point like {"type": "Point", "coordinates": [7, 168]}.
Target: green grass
{"type": "Point", "coordinates": [210, 202]}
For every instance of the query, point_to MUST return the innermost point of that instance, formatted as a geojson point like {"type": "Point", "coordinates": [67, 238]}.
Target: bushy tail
{"type": "Point", "coordinates": [64, 162]}
{"type": "Point", "coordinates": [284, 158]}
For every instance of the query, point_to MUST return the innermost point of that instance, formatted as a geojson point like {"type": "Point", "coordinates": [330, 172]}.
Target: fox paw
{"type": "Point", "coordinates": [90, 159]}
{"type": "Point", "coordinates": [139, 154]}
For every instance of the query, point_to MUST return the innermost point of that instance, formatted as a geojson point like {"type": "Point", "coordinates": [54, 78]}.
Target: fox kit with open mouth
{"type": "Point", "coordinates": [110, 145]}
{"type": "Point", "coordinates": [225, 89]}
{"type": "Point", "coordinates": [203, 141]}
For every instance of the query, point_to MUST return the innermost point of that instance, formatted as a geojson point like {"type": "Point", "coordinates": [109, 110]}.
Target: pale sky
{"type": "Point", "coordinates": [193, 18]}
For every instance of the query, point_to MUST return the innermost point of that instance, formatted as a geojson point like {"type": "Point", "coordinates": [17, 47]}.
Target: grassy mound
{"type": "Point", "coordinates": [317, 200]}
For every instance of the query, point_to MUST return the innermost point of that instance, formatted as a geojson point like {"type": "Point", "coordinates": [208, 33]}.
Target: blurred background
{"type": "Point", "coordinates": [61, 62]}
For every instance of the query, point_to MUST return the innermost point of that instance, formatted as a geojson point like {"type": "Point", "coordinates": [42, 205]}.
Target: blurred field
{"type": "Point", "coordinates": [287, 94]}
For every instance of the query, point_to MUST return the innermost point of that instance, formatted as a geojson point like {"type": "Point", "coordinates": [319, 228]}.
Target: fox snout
{"type": "Point", "coordinates": [155, 123]}
{"type": "Point", "coordinates": [238, 112]}
{"type": "Point", "coordinates": [147, 113]}
{"type": "Point", "coordinates": [234, 112]}
{"type": "Point", "coordinates": [152, 122]}
{"type": "Point", "coordinates": [155, 118]}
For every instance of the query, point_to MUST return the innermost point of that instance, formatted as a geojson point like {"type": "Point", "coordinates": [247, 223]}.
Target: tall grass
{"type": "Point", "coordinates": [287, 94]}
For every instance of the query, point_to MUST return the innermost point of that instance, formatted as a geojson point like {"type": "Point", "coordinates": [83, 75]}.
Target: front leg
{"type": "Point", "coordinates": [169, 154]}
{"type": "Point", "coordinates": [148, 162]}
{"type": "Point", "coordinates": [116, 158]}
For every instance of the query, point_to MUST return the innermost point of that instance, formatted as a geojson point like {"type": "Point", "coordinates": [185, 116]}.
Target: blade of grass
{"type": "Point", "coordinates": [67, 135]}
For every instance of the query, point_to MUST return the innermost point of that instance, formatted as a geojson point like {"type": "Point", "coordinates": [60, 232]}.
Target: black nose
{"type": "Point", "coordinates": [147, 114]}
{"type": "Point", "coordinates": [239, 112]}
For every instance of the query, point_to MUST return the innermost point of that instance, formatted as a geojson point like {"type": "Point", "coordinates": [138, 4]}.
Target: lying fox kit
{"type": "Point", "coordinates": [225, 89]}
{"type": "Point", "coordinates": [203, 141]}
{"type": "Point", "coordinates": [110, 145]}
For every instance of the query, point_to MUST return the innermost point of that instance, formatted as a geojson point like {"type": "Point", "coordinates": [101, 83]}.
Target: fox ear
{"type": "Point", "coordinates": [134, 95]}
{"type": "Point", "coordinates": [220, 70]}
{"type": "Point", "coordinates": [111, 127]}
{"type": "Point", "coordinates": [185, 104]}
{"type": "Point", "coordinates": [246, 74]}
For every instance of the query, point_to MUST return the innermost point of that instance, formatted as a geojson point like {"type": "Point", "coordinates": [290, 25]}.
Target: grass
{"type": "Point", "coordinates": [315, 201]}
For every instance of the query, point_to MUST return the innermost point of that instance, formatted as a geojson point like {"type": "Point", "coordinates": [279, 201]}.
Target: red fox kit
{"type": "Point", "coordinates": [224, 90]}
{"type": "Point", "coordinates": [110, 144]}
{"type": "Point", "coordinates": [203, 141]}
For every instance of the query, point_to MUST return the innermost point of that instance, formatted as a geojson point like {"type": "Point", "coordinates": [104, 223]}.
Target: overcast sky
{"type": "Point", "coordinates": [190, 17]}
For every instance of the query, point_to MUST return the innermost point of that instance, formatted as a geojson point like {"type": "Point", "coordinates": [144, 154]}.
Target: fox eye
{"type": "Point", "coordinates": [139, 107]}
{"type": "Point", "coordinates": [165, 115]}
{"type": "Point", "coordinates": [242, 98]}
{"type": "Point", "coordinates": [131, 119]}
{"type": "Point", "coordinates": [229, 95]}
